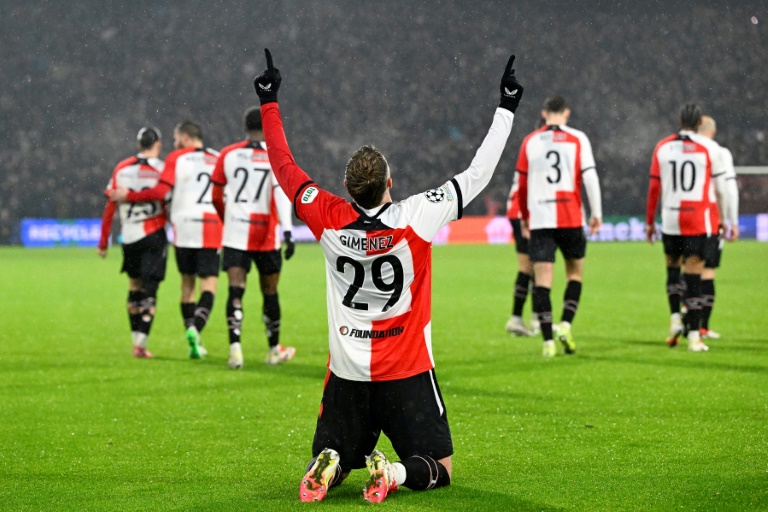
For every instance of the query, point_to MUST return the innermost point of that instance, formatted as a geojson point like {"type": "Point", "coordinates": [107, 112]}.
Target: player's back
{"type": "Point", "coordinates": [138, 220]}
{"type": "Point", "coordinates": [378, 272]}
{"type": "Point", "coordinates": [195, 221]}
{"type": "Point", "coordinates": [683, 162]}
{"type": "Point", "coordinates": [554, 158]}
{"type": "Point", "coordinates": [251, 221]}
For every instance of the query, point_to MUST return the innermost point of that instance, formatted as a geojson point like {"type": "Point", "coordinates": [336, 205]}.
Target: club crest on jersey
{"type": "Point", "coordinates": [435, 195]}
{"type": "Point", "coordinates": [309, 195]}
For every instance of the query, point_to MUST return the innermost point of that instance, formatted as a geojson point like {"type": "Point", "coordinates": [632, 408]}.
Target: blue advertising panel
{"type": "Point", "coordinates": [60, 232]}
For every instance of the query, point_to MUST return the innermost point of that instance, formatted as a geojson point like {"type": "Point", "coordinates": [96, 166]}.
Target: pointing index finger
{"type": "Point", "coordinates": [269, 59]}
{"type": "Point", "coordinates": [508, 70]}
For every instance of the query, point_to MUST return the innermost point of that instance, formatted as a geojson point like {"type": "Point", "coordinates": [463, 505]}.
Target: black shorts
{"type": "Point", "coordinates": [267, 262]}
{"type": "Point", "coordinates": [146, 258]}
{"type": "Point", "coordinates": [199, 262]}
{"type": "Point", "coordinates": [714, 251]}
{"type": "Point", "coordinates": [544, 242]}
{"type": "Point", "coordinates": [676, 246]}
{"type": "Point", "coordinates": [410, 412]}
{"type": "Point", "coordinates": [521, 243]}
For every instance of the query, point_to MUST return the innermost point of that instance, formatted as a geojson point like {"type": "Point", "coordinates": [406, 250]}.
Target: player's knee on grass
{"type": "Point", "coordinates": [422, 473]}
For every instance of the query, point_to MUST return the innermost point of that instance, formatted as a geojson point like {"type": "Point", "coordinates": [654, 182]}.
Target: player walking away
{"type": "Point", "coordinates": [254, 201]}
{"type": "Point", "coordinates": [144, 239]}
{"type": "Point", "coordinates": [515, 324]}
{"type": "Point", "coordinates": [196, 225]}
{"type": "Point", "coordinates": [378, 269]}
{"type": "Point", "coordinates": [683, 170]}
{"type": "Point", "coordinates": [553, 163]}
{"type": "Point", "coordinates": [708, 128]}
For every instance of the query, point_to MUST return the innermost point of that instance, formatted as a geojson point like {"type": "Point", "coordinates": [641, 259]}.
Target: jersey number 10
{"type": "Point", "coordinates": [685, 187]}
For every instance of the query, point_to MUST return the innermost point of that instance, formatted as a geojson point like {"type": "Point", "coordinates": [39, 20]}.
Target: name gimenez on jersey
{"type": "Point", "coordinates": [375, 243]}
{"type": "Point", "coordinates": [371, 333]}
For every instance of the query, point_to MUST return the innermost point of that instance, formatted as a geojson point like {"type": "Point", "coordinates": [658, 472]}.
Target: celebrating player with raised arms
{"type": "Point", "coordinates": [684, 168]}
{"type": "Point", "coordinates": [144, 239]}
{"type": "Point", "coordinates": [196, 225]}
{"type": "Point", "coordinates": [378, 270]}
{"type": "Point", "coordinates": [254, 202]}
{"type": "Point", "coordinates": [553, 163]}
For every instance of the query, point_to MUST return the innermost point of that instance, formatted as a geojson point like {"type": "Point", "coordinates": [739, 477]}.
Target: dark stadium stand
{"type": "Point", "coordinates": [417, 79]}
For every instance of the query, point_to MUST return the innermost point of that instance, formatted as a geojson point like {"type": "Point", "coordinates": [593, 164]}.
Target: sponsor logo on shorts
{"type": "Point", "coordinates": [309, 195]}
{"type": "Point", "coordinates": [344, 330]}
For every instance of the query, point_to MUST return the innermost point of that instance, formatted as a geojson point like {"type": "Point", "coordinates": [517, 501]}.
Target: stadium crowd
{"type": "Point", "coordinates": [80, 79]}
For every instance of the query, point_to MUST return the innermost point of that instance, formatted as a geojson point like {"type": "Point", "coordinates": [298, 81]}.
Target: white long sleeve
{"type": "Point", "coordinates": [480, 171]}
{"type": "Point", "coordinates": [731, 212]}
{"type": "Point", "coordinates": [284, 209]}
{"type": "Point", "coordinates": [592, 186]}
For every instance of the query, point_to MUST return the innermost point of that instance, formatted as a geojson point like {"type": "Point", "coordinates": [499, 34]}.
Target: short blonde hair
{"type": "Point", "coordinates": [366, 176]}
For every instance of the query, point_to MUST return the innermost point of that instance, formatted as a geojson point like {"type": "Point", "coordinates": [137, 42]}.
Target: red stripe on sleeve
{"type": "Point", "coordinates": [654, 191]}
{"type": "Point", "coordinates": [156, 193]}
{"type": "Point", "coordinates": [106, 224]}
{"type": "Point", "coordinates": [289, 175]}
{"type": "Point", "coordinates": [522, 194]}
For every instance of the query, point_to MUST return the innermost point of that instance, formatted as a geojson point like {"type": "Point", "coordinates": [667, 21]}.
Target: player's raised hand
{"type": "Point", "coordinates": [268, 82]}
{"type": "Point", "coordinates": [511, 89]}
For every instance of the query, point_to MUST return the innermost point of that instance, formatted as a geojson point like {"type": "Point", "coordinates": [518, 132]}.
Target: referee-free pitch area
{"type": "Point", "coordinates": [625, 424]}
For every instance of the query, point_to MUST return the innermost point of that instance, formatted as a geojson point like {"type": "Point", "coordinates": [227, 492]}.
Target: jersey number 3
{"type": "Point", "coordinates": [396, 286]}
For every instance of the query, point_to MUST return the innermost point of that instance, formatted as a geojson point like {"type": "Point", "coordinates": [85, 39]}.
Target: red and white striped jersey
{"type": "Point", "coordinates": [196, 224]}
{"type": "Point", "coordinates": [513, 200]}
{"type": "Point", "coordinates": [254, 201]}
{"type": "Point", "coordinates": [138, 220]}
{"type": "Point", "coordinates": [379, 261]}
{"type": "Point", "coordinates": [686, 164]}
{"type": "Point", "coordinates": [552, 160]}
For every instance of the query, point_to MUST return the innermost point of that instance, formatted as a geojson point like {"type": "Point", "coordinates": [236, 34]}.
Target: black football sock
{"type": "Point", "coordinates": [188, 314]}
{"type": "Point", "coordinates": [693, 301]}
{"type": "Point", "coordinates": [571, 300]}
{"type": "Point", "coordinates": [134, 304]}
{"type": "Point", "coordinates": [422, 472]}
{"type": "Point", "coordinates": [521, 293]}
{"type": "Point", "coordinates": [674, 289]}
{"type": "Point", "coordinates": [272, 319]}
{"type": "Point", "coordinates": [542, 306]}
{"type": "Point", "coordinates": [707, 301]}
{"type": "Point", "coordinates": [203, 310]}
{"type": "Point", "coordinates": [235, 313]}
{"type": "Point", "coordinates": [147, 314]}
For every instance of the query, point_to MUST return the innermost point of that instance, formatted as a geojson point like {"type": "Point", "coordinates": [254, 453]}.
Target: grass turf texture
{"type": "Point", "coordinates": [625, 424]}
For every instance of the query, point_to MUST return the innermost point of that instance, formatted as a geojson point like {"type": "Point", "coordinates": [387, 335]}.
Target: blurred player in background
{"type": "Point", "coordinates": [196, 225]}
{"type": "Point", "coordinates": [378, 282]}
{"type": "Point", "coordinates": [143, 235]}
{"type": "Point", "coordinates": [254, 202]}
{"type": "Point", "coordinates": [553, 163]}
{"type": "Point", "coordinates": [683, 169]}
{"type": "Point", "coordinates": [708, 128]}
{"type": "Point", "coordinates": [515, 324]}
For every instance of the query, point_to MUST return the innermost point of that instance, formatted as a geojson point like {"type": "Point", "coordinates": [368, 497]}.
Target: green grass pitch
{"type": "Point", "coordinates": [625, 424]}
